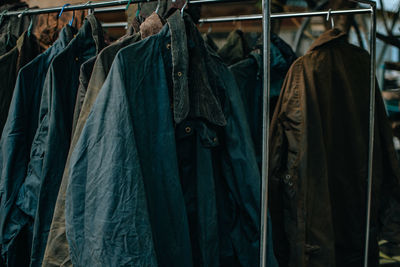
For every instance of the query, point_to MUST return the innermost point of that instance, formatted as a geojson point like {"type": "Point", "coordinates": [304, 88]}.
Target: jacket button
{"type": "Point", "coordinates": [215, 139]}
{"type": "Point", "coordinates": [76, 59]}
{"type": "Point", "coordinates": [168, 46]}
{"type": "Point", "coordinates": [188, 129]}
{"type": "Point", "coordinates": [179, 74]}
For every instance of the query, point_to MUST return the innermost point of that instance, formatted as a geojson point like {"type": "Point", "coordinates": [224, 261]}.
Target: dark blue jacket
{"type": "Point", "coordinates": [164, 172]}
{"type": "Point", "coordinates": [17, 137]}
{"type": "Point", "coordinates": [57, 250]}
{"type": "Point", "coordinates": [249, 78]}
{"type": "Point", "coordinates": [38, 194]}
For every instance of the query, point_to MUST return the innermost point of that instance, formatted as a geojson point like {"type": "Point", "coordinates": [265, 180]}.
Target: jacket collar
{"type": "Point", "coordinates": [65, 36]}
{"type": "Point", "coordinates": [235, 48]}
{"type": "Point", "coordinates": [192, 92]}
{"type": "Point", "coordinates": [327, 37]}
{"type": "Point", "coordinates": [96, 30]}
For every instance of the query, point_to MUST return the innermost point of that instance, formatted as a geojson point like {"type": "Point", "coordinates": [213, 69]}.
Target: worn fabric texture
{"type": "Point", "coordinates": [235, 48]}
{"type": "Point", "coordinates": [57, 251]}
{"type": "Point", "coordinates": [46, 27]}
{"type": "Point", "coordinates": [15, 145]}
{"type": "Point", "coordinates": [209, 202]}
{"type": "Point", "coordinates": [249, 78]}
{"type": "Point", "coordinates": [7, 42]}
{"type": "Point", "coordinates": [25, 50]}
{"type": "Point", "coordinates": [248, 74]}
{"type": "Point", "coordinates": [13, 24]}
{"type": "Point", "coordinates": [319, 156]}
{"type": "Point", "coordinates": [210, 42]}
{"type": "Point", "coordinates": [84, 77]}
{"type": "Point", "coordinates": [152, 25]}
{"type": "Point", "coordinates": [37, 196]}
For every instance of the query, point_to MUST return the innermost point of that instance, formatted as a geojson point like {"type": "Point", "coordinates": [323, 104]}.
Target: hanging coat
{"type": "Point", "coordinates": [319, 159]}
{"type": "Point", "coordinates": [37, 196]}
{"type": "Point", "coordinates": [203, 210]}
{"type": "Point", "coordinates": [57, 251]}
{"type": "Point", "coordinates": [26, 49]}
{"type": "Point", "coordinates": [16, 142]}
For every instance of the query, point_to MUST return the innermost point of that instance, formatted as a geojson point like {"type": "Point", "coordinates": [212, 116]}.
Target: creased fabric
{"type": "Point", "coordinates": [17, 139]}
{"type": "Point", "coordinates": [84, 78]}
{"type": "Point", "coordinates": [38, 194]}
{"type": "Point", "coordinates": [248, 74]}
{"type": "Point", "coordinates": [319, 156]}
{"type": "Point", "coordinates": [130, 158]}
{"type": "Point", "coordinates": [249, 78]}
{"type": "Point", "coordinates": [235, 48]}
{"type": "Point", "coordinates": [25, 50]}
{"type": "Point", "coordinates": [57, 250]}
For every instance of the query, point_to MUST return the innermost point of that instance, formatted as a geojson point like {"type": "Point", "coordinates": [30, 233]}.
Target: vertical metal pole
{"type": "Point", "coordinates": [266, 5]}
{"type": "Point", "coordinates": [372, 48]}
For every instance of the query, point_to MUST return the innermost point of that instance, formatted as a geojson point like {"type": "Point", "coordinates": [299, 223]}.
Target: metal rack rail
{"type": "Point", "coordinates": [260, 16]}
{"type": "Point", "coordinates": [266, 16]}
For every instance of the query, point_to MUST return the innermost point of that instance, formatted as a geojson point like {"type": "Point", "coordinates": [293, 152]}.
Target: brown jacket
{"type": "Point", "coordinates": [319, 156]}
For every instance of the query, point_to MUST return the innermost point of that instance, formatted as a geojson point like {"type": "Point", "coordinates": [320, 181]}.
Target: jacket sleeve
{"type": "Point", "coordinates": [19, 180]}
{"type": "Point", "coordinates": [29, 191]}
{"type": "Point", "coordinates": [107, 221]}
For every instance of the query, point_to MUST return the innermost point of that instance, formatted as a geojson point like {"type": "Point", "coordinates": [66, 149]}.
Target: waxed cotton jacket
{"type": "Point", "coordinates": [13, 24]}
{"type": "Point", "coordinates": [57, 251]}
{"type": "Point", "coordinates": [84, 78]}
{"type": "Point", "coordinates": [249, 78]}
{"type": "Point", "coordinates": [319, 159]}
{"type": "Point", "coordinates": [133, 198]}
{"type": "Point", "coordinates": [235, 49]}
{"type": "Point", "coordinates": [16, 142]}
{"type": "Point", "coordinates": [210, 42]}
{"type": "Point", "coordinates": [37, 196]}
{"type": "Point", "coordinates": [7, 42]}
{"type": "Point", "coordinates": [26, 49]}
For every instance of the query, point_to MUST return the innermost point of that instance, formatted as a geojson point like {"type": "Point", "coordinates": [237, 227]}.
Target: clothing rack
{"type": "Point", "coordinates": [266, 16]}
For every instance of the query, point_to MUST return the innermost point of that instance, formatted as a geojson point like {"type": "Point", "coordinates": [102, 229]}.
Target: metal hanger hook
{"type": "Point", "coordinates": [62, 9]}
{"type": "Point", "coordinates": [72, 19]}
{"type": "Point", "coordinates": [2, 15]}
{"type": "Point", "coordinates": [127, 5]}
{"type": "Point", "coordinates": [23, 13]}
{"type": "Point", "coordinates": [91, 10]}
{"type": "Point", "coordinates": [30, 27]}
{"type": "Point", "coordinates": [328, 16]}
{"type": "Point", "coordinates": [184, 6]}
{"type": "Point", "coordinates": [158, 6]}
